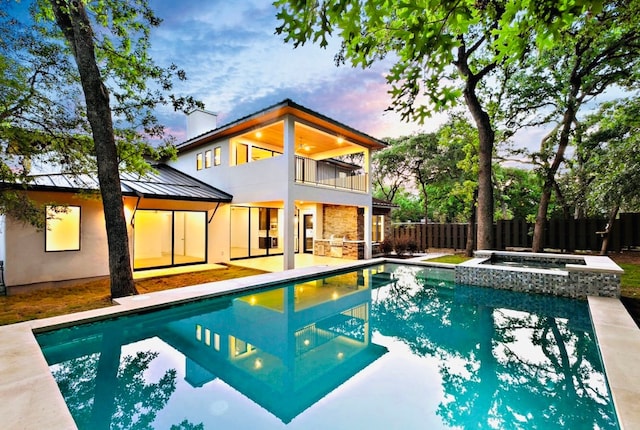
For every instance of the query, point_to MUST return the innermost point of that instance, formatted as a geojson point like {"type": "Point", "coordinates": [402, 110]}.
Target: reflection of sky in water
{"type": "Point", "coordinates": [405, 389]}
{"type": "Point", "coordinates": [444, 357]}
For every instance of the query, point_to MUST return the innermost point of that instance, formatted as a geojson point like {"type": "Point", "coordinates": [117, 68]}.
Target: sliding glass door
{"type": "Point", "coordinates": [256, 231]}
{"type": "Point", "coordinates": [164, 238]}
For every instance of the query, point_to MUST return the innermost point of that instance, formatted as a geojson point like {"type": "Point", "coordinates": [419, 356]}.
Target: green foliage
{"type": "Point", "coordinates": [42, 113]}
{"type": "Point", "coordinates": [611, 157]}
{"type": "Point", "coordinates": [447, 163]}
{"type": "Point", "coordinates": [427, 38]}
{"type": "Point", "coordinates": [409, 207]}
{"type": "Point", "coordinates": [442, 53]}
{"type": "Point", "coordinates": [517, 192]}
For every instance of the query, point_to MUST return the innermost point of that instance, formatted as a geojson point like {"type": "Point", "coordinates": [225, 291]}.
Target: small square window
{"type": "Point", "coordinates": [217, 156]}
{"type": "Point", "coordinates": [62, 231]}
{"type": "Point", "coordinates": [207, 159]}
{"type": "Point", "coordinates": [199, 161]}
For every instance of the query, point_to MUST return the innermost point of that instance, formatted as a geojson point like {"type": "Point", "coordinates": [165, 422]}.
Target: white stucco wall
{"type": "Point", "coordinates": [27, 262]}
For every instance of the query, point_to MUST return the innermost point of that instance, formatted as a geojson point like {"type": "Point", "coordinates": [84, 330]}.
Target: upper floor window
{"type": "Point", "coordinates": [62, 231]}
{"type": "Point", "coordinates": [207, 159]}
{"type": "Point", "coordinates": [217, 156]}
{"type": "Point", "coordinates": [199, 161]}
{"type": "Point", "coordinates": [246, 153]}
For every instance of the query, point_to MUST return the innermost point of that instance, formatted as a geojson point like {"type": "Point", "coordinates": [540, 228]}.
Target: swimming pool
{"type": "Point", "coordinates": [386, 346]}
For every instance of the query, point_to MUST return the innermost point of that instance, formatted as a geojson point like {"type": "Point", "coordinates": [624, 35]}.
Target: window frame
{"type": "Point", "coordinates": [48, 227]}
{"type": "Point", "coordinates": [217, 156]}
{"type": "Point", "coordinates": [207, 159]}
{"type": "Point", "coordinates": [199, 160]}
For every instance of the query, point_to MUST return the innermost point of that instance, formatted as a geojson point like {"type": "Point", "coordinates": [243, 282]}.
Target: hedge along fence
{"type": "Point", "coordinates": [561, 234]}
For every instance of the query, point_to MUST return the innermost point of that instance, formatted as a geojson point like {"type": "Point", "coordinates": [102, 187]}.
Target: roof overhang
{"type": "Point", "coordinates": [277, 112]}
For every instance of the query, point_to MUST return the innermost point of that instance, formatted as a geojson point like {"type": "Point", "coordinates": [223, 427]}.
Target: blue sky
{"type": "Point", "coordinates": [236, 65]}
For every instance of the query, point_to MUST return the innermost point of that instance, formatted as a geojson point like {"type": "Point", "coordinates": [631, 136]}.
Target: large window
{"type": "Point", "coordinates": [169, 238]}
{"type": "Point", "coordinates": [62, 231]}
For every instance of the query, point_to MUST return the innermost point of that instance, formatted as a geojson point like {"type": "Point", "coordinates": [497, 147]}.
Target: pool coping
{"type": "Point", "coordinates": [30, 398]}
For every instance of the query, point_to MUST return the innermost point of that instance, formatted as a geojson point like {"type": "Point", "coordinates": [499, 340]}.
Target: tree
{"type": "Point", "coordinates": [613, 139]}
{"type": "Point", "coordinates": [74, 22]}
{"type": "Point", "coordinates": [108, 41]}
{"type": "Point", "coordinates": [443, 50]}
{"type": "Point", "coordinates": [599, 51]}
{"type": "Point", "coordinates": [517, 193]}
{"type": "Point", "coordinates": [37, 114]}
{"type": "Point", "coordinates": [391, 170]}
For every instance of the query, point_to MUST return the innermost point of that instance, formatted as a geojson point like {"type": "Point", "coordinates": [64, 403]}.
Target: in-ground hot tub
{"type": "Point", "coordinates": [576, 276]}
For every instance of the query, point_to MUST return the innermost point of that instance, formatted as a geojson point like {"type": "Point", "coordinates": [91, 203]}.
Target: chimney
{"type": "Point", "coordinates": [200, 121]}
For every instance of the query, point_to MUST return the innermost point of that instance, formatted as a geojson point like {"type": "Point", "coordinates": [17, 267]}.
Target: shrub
{"type": "Point", "coordinates": [401, 246]}
{"type": "Point", "coordinates": [386, 246]}
{"type": "Point", "coordinates": [412, 247]}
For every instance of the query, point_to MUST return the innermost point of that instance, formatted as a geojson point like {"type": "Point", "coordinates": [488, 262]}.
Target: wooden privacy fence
{"type": "Point", "coordinates": [560, 234]}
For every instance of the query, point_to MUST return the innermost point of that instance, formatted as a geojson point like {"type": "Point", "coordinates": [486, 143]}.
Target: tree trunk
{"type": "Point", "coordinates": [549, 181]}
{"type": "Point", "coordinates": [470, 226]}
{"type": "Point", "coordinates": [423, 188]}
{"type": "Point", "coordinates": [72, 19]}
{"type": "Point", "coordinates": [607, 231]}
{"type": "Point", "coordinates": [106, 389]}
{"type": "Point", "coordinates": [485, 183]}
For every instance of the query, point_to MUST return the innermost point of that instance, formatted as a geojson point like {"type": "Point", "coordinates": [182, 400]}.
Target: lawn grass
{"type": "Point", "coordinates": [630, 281]}
{"type": "Point", "coordinates": [95, 294]}
{"type": "Point", "coordinates": [451, 259]}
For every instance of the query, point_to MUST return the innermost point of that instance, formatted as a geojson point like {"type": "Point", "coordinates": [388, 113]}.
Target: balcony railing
{"type": "Point", "coordinates": [327, 174]}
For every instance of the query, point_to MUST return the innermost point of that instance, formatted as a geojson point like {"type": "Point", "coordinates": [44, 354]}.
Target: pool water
{"type": "Point", "coordinates": [383, 347]}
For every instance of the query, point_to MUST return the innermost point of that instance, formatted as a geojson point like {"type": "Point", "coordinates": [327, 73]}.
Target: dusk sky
{"type": "Point", "coordinates": [237, 65]}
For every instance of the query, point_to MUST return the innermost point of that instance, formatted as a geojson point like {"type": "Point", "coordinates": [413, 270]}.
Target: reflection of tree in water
{"type": "Point", "coordinates": [125, 398]}
{"type": "Point", "coordinates": [500, 368]}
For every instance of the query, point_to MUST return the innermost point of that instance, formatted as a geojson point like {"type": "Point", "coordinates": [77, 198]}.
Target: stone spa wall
{"type": "Point", "coordinates": [577, 276]}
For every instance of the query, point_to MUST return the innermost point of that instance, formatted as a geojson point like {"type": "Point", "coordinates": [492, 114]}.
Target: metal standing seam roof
{"type": "Point", "coordinates": [164, 183]}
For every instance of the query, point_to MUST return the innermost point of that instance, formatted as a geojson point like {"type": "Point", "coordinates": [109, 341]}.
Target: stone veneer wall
{"type": "Point", "coordinates": [342, 221]}
{"type": "Point", "coordinates": [353, 250]}
{"type": "Point", "coordinates": [575, 284]}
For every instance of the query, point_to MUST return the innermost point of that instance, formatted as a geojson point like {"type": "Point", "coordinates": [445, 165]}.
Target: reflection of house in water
{"type": "Point", "coordinates": [284, 348]}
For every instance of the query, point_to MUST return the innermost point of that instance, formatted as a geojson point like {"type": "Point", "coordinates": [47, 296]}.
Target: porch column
{"type": "Point", "coordinates": [368, 210]}
{"type": "Point", "coordinates": [289, 199]}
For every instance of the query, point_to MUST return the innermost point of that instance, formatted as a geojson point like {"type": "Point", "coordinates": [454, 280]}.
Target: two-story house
{"type": "Point", "coordinates": [283, 180]}
{"type": "Point", "coordinates": [293, 190]}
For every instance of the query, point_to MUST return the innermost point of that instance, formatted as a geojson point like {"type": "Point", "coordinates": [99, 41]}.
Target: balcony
{"type": "Point", "coordinates": [330, 174]}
